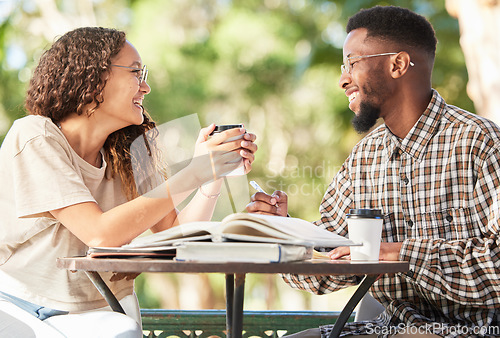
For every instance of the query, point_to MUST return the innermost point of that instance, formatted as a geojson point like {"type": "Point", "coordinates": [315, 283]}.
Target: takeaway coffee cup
{"type": "Point", "coordinates": [365, 228]}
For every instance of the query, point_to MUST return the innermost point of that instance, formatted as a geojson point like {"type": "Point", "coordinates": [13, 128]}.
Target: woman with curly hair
{"type": "Point", "coordinates": [68, 184]}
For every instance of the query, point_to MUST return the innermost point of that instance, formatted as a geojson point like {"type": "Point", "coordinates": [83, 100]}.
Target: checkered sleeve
{"type": "Point", "coordinates": [336, 202]}
{"type": "Point", "coordinates": [465, 270]}
{"type": "Point", "coordinates": [320, 285]}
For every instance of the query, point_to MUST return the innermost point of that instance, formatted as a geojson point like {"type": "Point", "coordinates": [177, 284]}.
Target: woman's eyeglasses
{"type": "Point", "coordinates": [143, 75]}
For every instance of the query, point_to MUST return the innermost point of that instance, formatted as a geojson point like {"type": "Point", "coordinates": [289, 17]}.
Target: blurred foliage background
{"type": "Point", "coordinates": [273, 65]}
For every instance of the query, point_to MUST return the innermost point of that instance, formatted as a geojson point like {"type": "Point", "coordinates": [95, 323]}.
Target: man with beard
{"type": "Point", "coordinates": [434, 171]}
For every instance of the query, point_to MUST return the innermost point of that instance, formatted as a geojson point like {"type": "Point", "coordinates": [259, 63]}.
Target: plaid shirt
{"type": "Point", "coordinates": [438, 190]}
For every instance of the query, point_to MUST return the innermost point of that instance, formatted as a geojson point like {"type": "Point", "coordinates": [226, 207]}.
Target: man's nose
{"type": "Point", "coordinates": [345, 79]}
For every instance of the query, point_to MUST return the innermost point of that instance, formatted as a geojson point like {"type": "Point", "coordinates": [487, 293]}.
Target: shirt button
{"type": "Point", "coordinates": [449, 218]}
{"type": "Point", "coordinates": [406, 180]}
{"type": "Point", "coordinates": [409, 222]}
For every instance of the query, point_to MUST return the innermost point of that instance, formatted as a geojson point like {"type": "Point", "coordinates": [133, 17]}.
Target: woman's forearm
{"type": "Point", "coordinates": [202, 206]}
{"type": "Point", "coordinates": [121, 224]}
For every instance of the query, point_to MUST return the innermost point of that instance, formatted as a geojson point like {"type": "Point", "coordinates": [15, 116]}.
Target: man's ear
{"type": "Point", "coordinates": [401, 62]}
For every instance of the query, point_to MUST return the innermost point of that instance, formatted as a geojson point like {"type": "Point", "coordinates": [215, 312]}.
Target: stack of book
{"type": "Point", "coordinates": [239, 237]}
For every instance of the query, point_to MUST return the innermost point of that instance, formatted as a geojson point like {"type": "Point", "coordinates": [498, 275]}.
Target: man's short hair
{"type": "Point", "coordinates": [396, 24]}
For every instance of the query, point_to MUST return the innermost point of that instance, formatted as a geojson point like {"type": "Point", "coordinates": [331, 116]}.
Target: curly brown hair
{"type": "Point", "coordinates": [70, 76]}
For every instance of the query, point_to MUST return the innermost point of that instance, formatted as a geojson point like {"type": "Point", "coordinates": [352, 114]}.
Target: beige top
{"type": "Point", "coordinates": [39, 172]}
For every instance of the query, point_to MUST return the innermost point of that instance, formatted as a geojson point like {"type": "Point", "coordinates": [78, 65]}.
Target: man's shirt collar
{"type": "Point", "coordinates": [416, 141]}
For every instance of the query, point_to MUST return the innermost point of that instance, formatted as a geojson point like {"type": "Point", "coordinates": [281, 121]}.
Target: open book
{"type": "Point", "coordinates": [244, 227]}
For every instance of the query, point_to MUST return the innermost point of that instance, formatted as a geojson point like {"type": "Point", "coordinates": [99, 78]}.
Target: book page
{"type": "Point", "coordinates": [194, 231]}
{"type": "Point", "coordinates": [252, 231]}
{"type": "Point", "coordinates": [290, 228]}
{"type": "Point", "coordinates": [261, 239]}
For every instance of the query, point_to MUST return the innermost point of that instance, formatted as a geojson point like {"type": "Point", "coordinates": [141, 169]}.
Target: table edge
{"type": "Point", "coordinates": [339, 267]}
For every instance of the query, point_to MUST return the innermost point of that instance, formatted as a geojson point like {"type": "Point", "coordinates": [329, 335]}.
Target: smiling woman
{"type": "Point", "coordinates": [74, 81]}
{"type": "Point", "coordinates": [68, 183]}
{"type": "Point", "coordinates": [124, 92]}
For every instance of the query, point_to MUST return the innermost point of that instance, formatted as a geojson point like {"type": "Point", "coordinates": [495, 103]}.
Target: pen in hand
{"type": "Point", "coordinates": [257, 187]}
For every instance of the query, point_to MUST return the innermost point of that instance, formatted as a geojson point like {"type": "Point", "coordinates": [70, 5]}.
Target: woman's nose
{"type": "Point", "coordinates": [144, 87]}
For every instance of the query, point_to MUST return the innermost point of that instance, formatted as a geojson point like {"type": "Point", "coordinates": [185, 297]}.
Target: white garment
{"type": "Point", "coordinates": [15, 322]}
{"type": "Point", "coordinates": [40, 172]}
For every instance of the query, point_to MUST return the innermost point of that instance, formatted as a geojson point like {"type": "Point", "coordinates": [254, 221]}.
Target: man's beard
{"type": "Point", "coordinates": [366, 118]}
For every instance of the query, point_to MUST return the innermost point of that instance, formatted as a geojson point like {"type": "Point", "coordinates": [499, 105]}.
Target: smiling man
{"type": "Point", "coordinates": [434, 171]}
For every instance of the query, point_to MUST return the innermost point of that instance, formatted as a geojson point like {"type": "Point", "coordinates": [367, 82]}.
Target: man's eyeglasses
{"type": "Point", "coordinates": [347, 68]}
{"type": "Point", "coordinates": [143, 72]}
